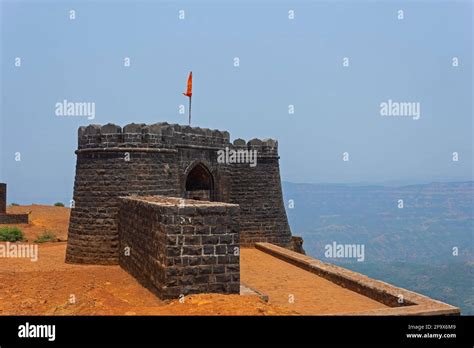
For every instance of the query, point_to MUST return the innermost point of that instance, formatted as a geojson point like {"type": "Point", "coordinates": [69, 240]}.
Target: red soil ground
{"type": "Point", "coordinates": [48, 286]}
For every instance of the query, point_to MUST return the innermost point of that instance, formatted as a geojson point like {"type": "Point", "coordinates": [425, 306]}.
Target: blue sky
{"type": "Point", "coordinates": [282, 62]}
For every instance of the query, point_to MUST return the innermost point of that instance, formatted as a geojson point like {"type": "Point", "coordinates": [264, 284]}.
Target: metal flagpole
{"type": "Point", "coordinates": [190, 110]}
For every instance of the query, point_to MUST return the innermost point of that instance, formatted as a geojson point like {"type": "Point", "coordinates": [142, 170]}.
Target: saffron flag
{"type": "Point", "coordinates": [189, 91]}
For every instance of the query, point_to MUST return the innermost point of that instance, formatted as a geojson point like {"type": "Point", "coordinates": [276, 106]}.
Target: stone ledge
{"type": "Point", "coordinates": [14, 218]}
{"type": "Point", "coordinates": [413, 303]}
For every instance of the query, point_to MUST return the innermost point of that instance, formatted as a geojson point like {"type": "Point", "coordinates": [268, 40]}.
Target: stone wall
{"type": "Point", "coordinates": [13, 219]}
{"type": "Point", "coordinates": [3, 198]}
{"type": "Point", "coordinates": [258, 192]}
{"type": "Point", "coordinates": [9, 218]}
{"type": "Point", "coordinates": [101, 178]}
{"type": "Point", "coordinates": [158, 135]}
{"type": "Point", "coordinates": [156, 159]}
{"type": "Point", "coordinates": [178, 247]}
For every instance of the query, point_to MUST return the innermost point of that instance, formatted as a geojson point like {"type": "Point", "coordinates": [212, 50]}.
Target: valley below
{"type": "Point", "coordinates": [425, 246]}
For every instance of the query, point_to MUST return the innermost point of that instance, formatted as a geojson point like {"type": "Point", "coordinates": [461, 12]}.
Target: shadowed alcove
{"type": "Point", "coordinates": [199, 184]}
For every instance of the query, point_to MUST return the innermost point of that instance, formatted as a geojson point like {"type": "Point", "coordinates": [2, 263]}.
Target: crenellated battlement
{"type": "Point", "coordinates": [149, 136]}
{"type": "Point", "coordinates": [264, 147]}
{"type": "Point", "coordinates": [165, 135]}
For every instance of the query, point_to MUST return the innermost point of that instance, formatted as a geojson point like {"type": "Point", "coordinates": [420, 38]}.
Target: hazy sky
{"type": "Point", "coordinates": [282, 61]}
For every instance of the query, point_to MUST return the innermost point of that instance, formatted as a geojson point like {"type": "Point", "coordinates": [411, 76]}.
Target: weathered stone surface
{"type": "Point", "coordinates": [13, 218]}
{"type": "Point", "coordinates": [240, 142]}
{"type": "Point", "coordinates": [9, 218]}
{"type": "Point", "coordinates": [168, 256]}
{"type": "Point", "coordinates": [297, 244]}
{"type": "Point", "coordinates": [3, 198]}
{"type": "Point", "coordinates": [111, 128]}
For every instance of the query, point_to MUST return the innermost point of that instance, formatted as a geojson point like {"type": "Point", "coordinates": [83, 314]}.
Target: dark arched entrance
{"type": "Point", "coordinates": [199, 184]}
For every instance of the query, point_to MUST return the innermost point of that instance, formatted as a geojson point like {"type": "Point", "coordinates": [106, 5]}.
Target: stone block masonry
{"type": "Point", "coordinates": [175, 161]}
{"type": "Point", "coordinates": [9, 218]}
{"type": "Point", "coordinates": [177, 246]}
{"type": "Point", "coordinates": [12, 219]}
{"type": "Point", "coordinates": [3, 198]}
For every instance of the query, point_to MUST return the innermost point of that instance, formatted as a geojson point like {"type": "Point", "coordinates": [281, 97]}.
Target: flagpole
{"type": "Point", "coordinates": [190, 110]}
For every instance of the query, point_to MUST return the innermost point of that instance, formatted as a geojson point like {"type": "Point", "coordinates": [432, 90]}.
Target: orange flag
{"type": "Point", "coordinates": [189, 91]}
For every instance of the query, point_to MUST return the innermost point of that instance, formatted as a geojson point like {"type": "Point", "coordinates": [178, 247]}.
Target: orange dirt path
{"type": "Point", "coordinates": [311, 294]}
{"type": "Point", "coordinates": [47, 286]}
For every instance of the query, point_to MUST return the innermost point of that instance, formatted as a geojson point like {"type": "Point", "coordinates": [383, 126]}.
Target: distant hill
{"type": "Point", "coordinates": [410, 247]}
{"type": "Point", "coordinates": [451, 282]}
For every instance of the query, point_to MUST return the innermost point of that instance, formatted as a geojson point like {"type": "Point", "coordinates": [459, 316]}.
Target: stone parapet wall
{"type": "Point", "coordinates": [401, 301]}
{"type": "Point", "coordinates": [164, 135]}
{"type": "Point", "coordinates": [13, 219]}
{"type": "Point", "coordinates": [3, 198]}
{"type": "Point", "coordinates": [156, 135]}
{"type": "Point", "coordinates": [178, 247]}
{"type": "Point", "coordinates": [258, 192]}
{"type": "Point", "coordinates": [9, 218]}
{"type": "Point", "coordinates": [264, 148]}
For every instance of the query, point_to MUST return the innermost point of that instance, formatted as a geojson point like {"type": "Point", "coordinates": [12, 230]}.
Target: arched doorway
{"type": "Point", "coordinates": [199, 184]}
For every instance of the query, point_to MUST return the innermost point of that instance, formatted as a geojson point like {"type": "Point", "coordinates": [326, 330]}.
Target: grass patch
{"type": "Point", "coordinates": [11, 234]}
{"type": "Point", "coordinates": [46, 237]}
{"type": "Point", "coordinates": [59, 204]}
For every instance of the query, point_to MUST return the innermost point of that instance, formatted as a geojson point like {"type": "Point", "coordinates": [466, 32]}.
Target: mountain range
{"type": "Point", "coordinates": [418, 237]}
